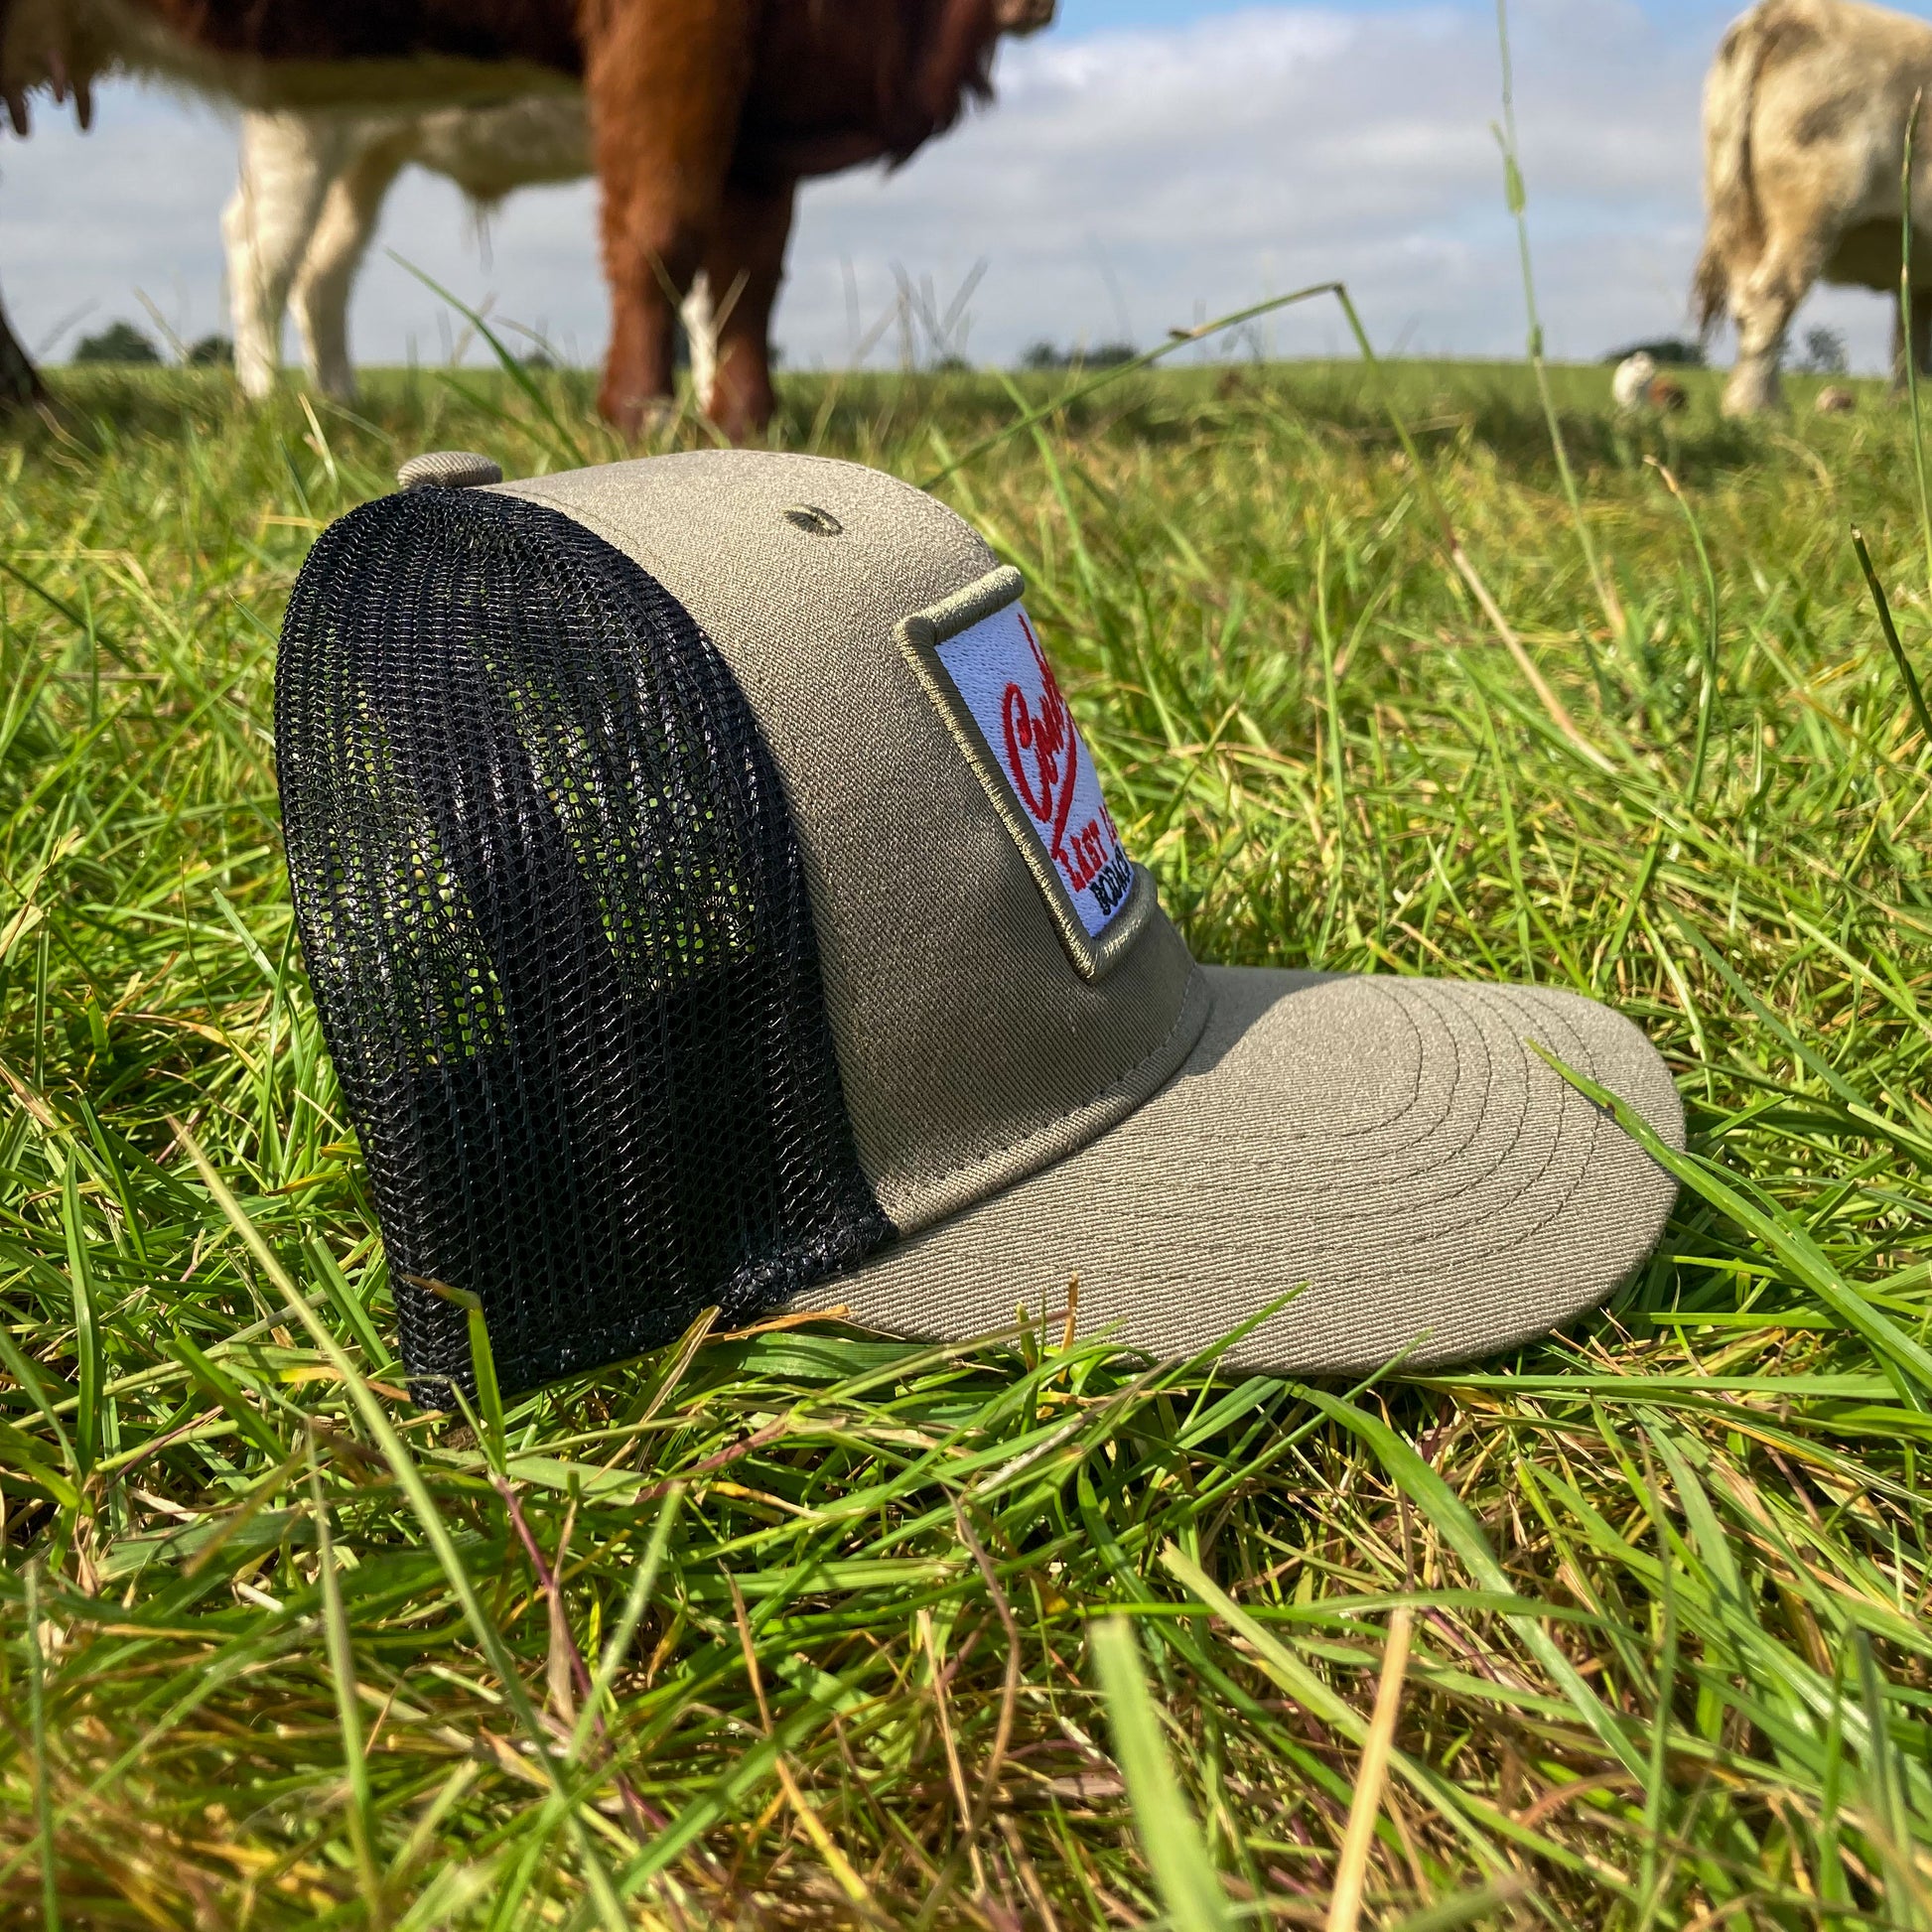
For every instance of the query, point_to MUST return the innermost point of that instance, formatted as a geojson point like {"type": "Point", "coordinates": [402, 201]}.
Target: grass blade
{"type": "Point", "coordinates": [86, 1327]}
{"type": "Point", "coordinates": [1170, 1840]}
{"type": "Point", "coordinates": [643, 1580]}
{"type": "Point", "coordinates": [1517, 200]}
{"type": "Point", "coordinates": [342, 1670]}
{"type": "Point", "coordinates": [512, 365]}
{"type": "Point", "coordinates": [1346, 1906]}
{"type": "Point", "coordinates": [43, 1775]}
{"type": "Point", "coordinates": [1901, 1354]}
{"type": "Point", "coordinates": [1914, 696]}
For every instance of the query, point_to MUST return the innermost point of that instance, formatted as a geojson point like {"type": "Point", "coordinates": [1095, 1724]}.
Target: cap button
{"type": "Point", "coordinates": [449, 469]}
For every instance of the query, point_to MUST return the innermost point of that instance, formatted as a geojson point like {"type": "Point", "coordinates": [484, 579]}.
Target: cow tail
{"type": "Point", "coordinates": [1733, 230]}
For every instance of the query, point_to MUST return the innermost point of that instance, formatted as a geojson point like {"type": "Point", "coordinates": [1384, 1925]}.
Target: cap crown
{"type": "Point", "coordinates": [974, 1047]}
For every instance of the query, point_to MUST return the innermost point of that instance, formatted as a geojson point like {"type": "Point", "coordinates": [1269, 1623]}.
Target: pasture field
{"type": "Point", "coordinates": [799, 1627]}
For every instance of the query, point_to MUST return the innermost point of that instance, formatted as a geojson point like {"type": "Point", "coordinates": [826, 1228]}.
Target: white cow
{"type": "Point", "coordinates": [310, 193]}
{"type": "Point", "coordinates": [1630, 385]}
{"type": "Point", "coordinates": [1805, 117]}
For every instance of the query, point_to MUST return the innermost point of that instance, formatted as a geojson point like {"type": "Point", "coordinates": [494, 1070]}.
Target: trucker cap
{"type": "Point", "coordinates": [710, 902]}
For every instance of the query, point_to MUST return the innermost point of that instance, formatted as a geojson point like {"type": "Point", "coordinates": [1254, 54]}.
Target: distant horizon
{"type": "Point", "coordinates": [1711, 364]}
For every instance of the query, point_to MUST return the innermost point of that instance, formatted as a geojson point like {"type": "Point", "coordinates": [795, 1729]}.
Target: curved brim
{"type": "Point", "coordinates": [1390, 1148]}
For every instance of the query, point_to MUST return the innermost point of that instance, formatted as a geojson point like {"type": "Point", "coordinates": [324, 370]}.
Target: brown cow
{"type": "Point", "coordinates": [1805, 115]}
{"type": "Point", "coordinates": [705, 116]}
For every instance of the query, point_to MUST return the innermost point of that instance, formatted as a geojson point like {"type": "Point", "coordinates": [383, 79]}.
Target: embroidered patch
{"type": "Point", "coordinates": [980, 661]}
{"type": "Point", "coordinates": [1008, 690]}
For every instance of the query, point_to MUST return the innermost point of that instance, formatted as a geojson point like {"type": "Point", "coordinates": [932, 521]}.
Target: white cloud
{"type": "Point", "coordinates": [1123, 182]}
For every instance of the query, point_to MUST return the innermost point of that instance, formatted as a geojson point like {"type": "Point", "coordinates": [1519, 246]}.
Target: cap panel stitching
{"type": "Point", "coordinates": [1052, 1141]}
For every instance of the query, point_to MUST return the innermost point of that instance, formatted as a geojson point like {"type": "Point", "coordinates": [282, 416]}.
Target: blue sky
{"type": "Point", "coordinates": [1147, 161]}
{"type": "Point", "coordinates": [1092, 16]}
{"type": "Point", "coordinates": [1088, 16]}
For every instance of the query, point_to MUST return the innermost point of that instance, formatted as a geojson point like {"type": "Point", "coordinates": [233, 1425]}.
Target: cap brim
{"type": "Point", "coordinates": [1392, 1148]}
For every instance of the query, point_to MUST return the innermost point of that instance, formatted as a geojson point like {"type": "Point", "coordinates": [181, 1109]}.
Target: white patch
{"type": "Point", "coordinates": [1008, 688]}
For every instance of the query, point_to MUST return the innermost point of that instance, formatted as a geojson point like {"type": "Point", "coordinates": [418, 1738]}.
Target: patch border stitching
{"type": "Point", "coordinates": [919, 637]}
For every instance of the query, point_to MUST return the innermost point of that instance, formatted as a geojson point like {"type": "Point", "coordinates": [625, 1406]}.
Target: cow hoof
{"type": "Point", "coordinates": [738, 416]}
{"type": "Point", "coordinates": [739, 428]}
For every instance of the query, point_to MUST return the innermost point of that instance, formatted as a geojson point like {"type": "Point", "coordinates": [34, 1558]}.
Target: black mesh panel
{"type": "Point", "coordinates": [558, 932]}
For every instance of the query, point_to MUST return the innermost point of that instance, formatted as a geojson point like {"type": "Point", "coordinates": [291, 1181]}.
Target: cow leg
{"type": "Point", "coordinates": [20, 382]}
{"type": "Point", "coordinates": [347, 221]}
{"type": "Point", "coordinates": [743, 268]}
{"type": "Point", "coordinates": [1763, 307]}
{"type": "Point", "coordinates": [666, 85]}
{"type": "Point", "coordinates": [699, 315]}
{"type": "Point", "coordinates": [287, 163]}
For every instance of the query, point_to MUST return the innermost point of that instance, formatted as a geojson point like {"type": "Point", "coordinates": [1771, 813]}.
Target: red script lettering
{"type": "Point", "coordinates": [1042, 752]}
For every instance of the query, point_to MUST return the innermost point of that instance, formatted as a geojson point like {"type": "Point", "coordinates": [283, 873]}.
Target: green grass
{"type": "Point", "coordinates": [795, 1627]}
